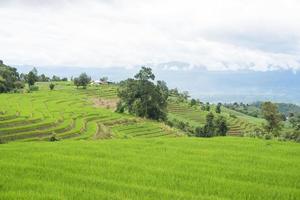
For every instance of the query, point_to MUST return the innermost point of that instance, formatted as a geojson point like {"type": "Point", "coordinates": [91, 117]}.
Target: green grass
{"type": "Point", "coordinates": [179, 168]}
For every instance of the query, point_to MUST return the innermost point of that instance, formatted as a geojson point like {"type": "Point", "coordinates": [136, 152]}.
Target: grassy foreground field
{"type": "Point", "coordinates": [177, 168]}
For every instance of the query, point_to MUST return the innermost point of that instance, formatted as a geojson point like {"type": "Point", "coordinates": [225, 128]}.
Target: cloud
{"type": "Point", "coordinates": [215, 34]}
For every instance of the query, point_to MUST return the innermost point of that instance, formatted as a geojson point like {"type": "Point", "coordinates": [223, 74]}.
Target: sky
{"type": "Point", "coordinates": [258, 35]}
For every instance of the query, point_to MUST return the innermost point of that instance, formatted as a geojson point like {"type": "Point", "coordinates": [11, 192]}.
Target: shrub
{"type": "Point", "coordinates": [268, 136]}
{"type": "Point", "coordinates": [51, 86]}
{"type": "Point", "coordinates": [33, 88]}
{"type": "Point", "coordinates": [53, 138]}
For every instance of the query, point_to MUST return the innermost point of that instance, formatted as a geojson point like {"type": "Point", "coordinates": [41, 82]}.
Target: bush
{"type": "Point", "coordinates": [53, 138]}
{"type": "Point", "coordinates": [33, 88]}
{"type": "Point", "coordinates": [51, 86]}
{"type": "Point", "coordinates": [268, 136]}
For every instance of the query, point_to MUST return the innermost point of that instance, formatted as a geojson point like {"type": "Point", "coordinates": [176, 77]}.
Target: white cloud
{"type": "Point", "coordinates": [220, 35]}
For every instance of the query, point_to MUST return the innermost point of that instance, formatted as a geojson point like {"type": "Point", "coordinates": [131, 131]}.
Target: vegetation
{"type": "Point", "coordinates": [32, 77]}
{"type": "Point", "coordinates": [70, 114]}
{"type": "Point", "coordinates": [141, 97]}
{"type": "Point", "coordinates": [90, 152]}
{"type": "Point", "coordinates": [254, 109]}
{"type": "Point", "coordinates": [9, 78]}
{"type": "Point", "coordinates": [51, 86]}
{"type": "Point", "coordinates": [272, 116]}
{"type": "Point", "coordinates": [83, 80]}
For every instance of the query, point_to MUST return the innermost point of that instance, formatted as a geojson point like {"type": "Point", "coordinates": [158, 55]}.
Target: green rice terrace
{"type": "Point", "coordinates": [239, 123]}
{"type": "Point", "coordinates": [70, 113]}
{"type": "Point", "coordinates": [101, 154]}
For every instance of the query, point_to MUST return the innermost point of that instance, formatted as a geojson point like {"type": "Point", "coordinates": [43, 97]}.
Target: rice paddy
{"type": "Point", "coordinates": [106, 155]}
{"type": "Point", "coordinates": [67, 113]}
{"type": "Point", "coordinates": [161, 168]}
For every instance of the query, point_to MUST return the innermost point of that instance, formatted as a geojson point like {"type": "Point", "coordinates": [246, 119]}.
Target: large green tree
{"type": "Point", "coordinates": [9, 78]}
{"type": "Point", "coordinates": [142, 97]}
{"type": "Point", "coordinates": [83, 80]}
{"type": "Point", "coordinates": [32, 77]}
{"type": "Point", "coordinates": [272, 116]}
{"type": "Point", "coordinates": [209, 127]}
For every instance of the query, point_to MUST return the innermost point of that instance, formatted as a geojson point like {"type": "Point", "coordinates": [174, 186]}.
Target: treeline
{"type": "Point", "coordinates": [274, 126]}
{"type": "Point", "coordinates": [40, 78]}
{"type": "Point", "coordinates": [254, 109]}
{"type": "Point", "coordinates": [12, 81]}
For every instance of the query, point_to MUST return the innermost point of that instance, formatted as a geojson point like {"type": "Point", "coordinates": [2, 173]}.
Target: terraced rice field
{"type": "Point", "coordinates": [196, 117]}
{"type": "Point", "coordinates": [179, 168]}
{"type": "Point", "coordinates": [66, 112]}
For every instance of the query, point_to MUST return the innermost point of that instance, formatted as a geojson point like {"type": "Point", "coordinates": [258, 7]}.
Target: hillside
{"type": "Point", "coordinates": [68, 113]}
{"type": "Point", "coordinates": [239, 123]}
{"type": "Point", "coordinates": [182, 168]}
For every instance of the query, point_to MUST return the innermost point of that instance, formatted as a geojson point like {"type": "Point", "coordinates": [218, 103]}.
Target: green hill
{"type": "Point", "coordinates": [68, 113]}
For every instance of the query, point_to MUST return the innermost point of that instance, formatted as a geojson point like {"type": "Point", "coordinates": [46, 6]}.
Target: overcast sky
{"type": "Point", "coordinates": [216, 34]}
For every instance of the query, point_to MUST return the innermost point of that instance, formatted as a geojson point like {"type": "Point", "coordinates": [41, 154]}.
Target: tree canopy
{"type": "Point", "coordinates": [273, 117]}
{"type": "Point", "coordinates": [9, 78]}
{"type": "Point", "coordinates": [82, 80]}
{"type": "Point", "coordinates": [142, 97]}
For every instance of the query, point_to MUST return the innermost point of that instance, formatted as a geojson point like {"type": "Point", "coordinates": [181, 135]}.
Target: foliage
{"type": "Point", "coordinates": [295, 121]}
{"type": "Point", "coordinates": [83, 80]}
{"type": "Point", "coordinates": [32, 77]}
{"type": "Point", "coordinates": [272, 116]}
{"type": "Point", "coordinates": [51, 86]}
{"type": "Point", "coordinates": [218, 108]}
{"type": "Point", "coordinates": [33, 88]}
{"type": "Point", "coordinates": [193, 102]}
{"type": "Point", "coordinates": [9, 79]}
{"type": "Point", "coordinates": [209, 127]}
{"type": "Point", "coordinates": [143, 98]}
{"type": "Point", "coordinates": [43, 78]}
{"type": "Point", "coordinates": [221, 126]}
{"type": "Point", "coordinates": [207, 106]}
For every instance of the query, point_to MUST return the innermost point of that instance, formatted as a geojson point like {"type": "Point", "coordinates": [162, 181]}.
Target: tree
{"type": "Point", "coordinates": [221, 126]}
{"type": "Point", "coordinates": [76, 82]}
{"type": "Point", "coordinates": [295, 121]}
{"type": "Point", "coordinates": [43, 78]}
{"type": "Point", "coordinates": [82, 80]}
{"type": "Point", "coordinates": [272, 116]}
{"type": "Point", "coordinates": [51, 86]}
{"type": "Point", "coordinates": [218, 108]}
{"type": "Point", "coordinates": [142, 97]}
{"type": "Point", "coordinates": [162, 86]}
{"type": "Point", "coordinates": [32, 77]}
{"type": "Point", "coordinates": [193, 102]}
{"type": "Point", "coordinates": [104, 79]}
{"type": "Point", "coordinates": [209, 127]}
{"type": "Point", "coordinates": [55, 78]}
{"type": "Point", "coordinates": [207, 106]}
{"type": "Point", "coordinates": [199, 132]}
{"type": "Point", "coordinates": [145, 74]}
{"type": "Point", "coordinates": [8, 78]}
